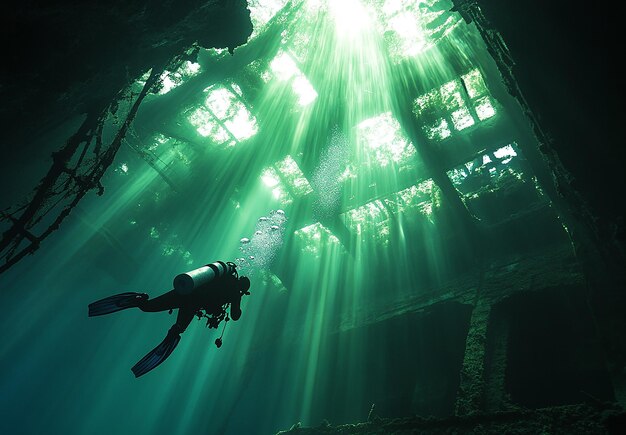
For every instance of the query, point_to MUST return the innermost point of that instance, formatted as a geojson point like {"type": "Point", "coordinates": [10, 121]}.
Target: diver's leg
{"type": "Point", "coordinates": [235, 308]}
{"type": "Point", "coordinates": [116, 303]}
{"type": "Point", "coordinates": [157, 355]}
{"type": "Point", "coordinates": [183, 319]}
{"type": "Point", "coordinates": [167, 346]}
{"type": "Point", "coordinates": [167, 301]}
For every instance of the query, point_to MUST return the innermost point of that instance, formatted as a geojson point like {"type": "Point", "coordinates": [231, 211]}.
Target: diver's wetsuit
{"type": "Point", "coordinates": [209, 297]}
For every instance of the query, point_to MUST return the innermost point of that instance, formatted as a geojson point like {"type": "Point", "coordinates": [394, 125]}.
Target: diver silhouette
{"type": "Point", "coordinates": [205, 292]}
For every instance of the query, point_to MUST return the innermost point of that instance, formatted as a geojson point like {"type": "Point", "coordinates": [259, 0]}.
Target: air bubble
{"type": "Point", "coordinates": [260, 249]}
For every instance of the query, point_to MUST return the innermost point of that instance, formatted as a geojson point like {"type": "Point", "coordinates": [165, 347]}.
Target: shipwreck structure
{"type": "Point", "coordinates": [419, 168]}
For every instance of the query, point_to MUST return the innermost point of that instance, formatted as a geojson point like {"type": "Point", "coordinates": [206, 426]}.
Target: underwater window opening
{"type": "Point", "coordinates": [411, 27]}
{"type": "Point", "coordinates": [271, 179]}
{"type": "Point", "coordinates": [490, 170]}
{"type": "Point", "coordinates": [286, 180]}
{"type": "Point", "coordinates": [172, 79]}
{"type": "Point", "coordinates": [497, 186]}
{"type": "Point", "coordinates": [225, 117]}
{"type": "Point", "coordinates": [316, 237]}
{"type": "Point", "coordinates": [285, 69]}
{"type": "Point", "coordinates": [293, 176]}
{"type": "Point", "coordinates": [373, 218]}
{"type": "Point", "coordinates": [454, 106]}
{"type": "Point", "coordinates": [383, 142]}
{"type": "Point", "coordinates": [421, 198]}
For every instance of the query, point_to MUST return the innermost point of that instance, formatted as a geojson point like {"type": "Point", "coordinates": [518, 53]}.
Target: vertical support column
{"type": "Point", "coordinates": [466, 223]}
{"type": "Point", "coordinates": [495, 396]}
{"type": "Point", "coordinates": [471, 388]}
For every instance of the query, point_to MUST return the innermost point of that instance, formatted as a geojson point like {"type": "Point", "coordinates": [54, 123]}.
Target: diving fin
{"type": "Point", "coordinates": [116, 303]}
{"type": "Point", "coordinates": [157, 355]}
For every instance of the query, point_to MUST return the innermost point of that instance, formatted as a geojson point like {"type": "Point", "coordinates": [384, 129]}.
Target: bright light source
{"type": "Point", "coordinates": [351, 18]}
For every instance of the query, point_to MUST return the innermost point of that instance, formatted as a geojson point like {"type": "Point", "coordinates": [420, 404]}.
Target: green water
{"type": "Point", "coordinates": [325, 114]}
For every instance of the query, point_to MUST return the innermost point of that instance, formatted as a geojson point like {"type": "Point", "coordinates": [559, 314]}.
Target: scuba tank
{"type": "Point", "coordinates": [185, 283]}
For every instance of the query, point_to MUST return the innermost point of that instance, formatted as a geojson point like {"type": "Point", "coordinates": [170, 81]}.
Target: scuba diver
{"type": "Point", "coordinates": [205, 292]}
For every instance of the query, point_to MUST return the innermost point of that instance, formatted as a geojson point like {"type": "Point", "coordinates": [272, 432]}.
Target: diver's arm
{"type": "Point", "coordinates": [235, 308]}
{"type": "Point", "coordinates": [242, 288]}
